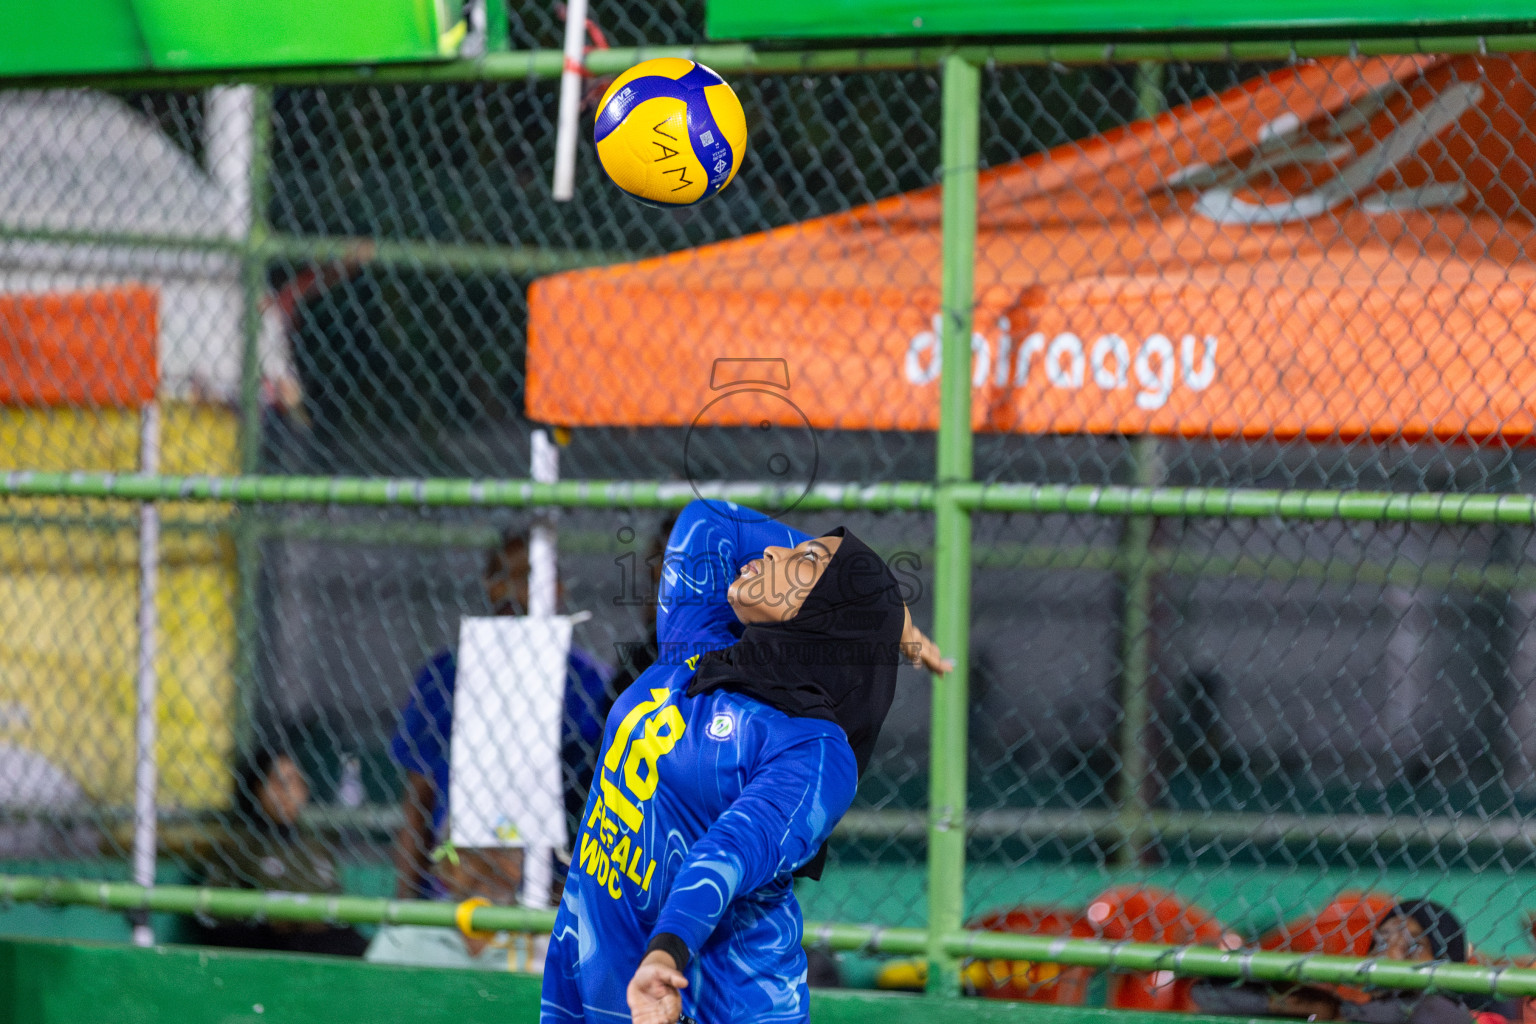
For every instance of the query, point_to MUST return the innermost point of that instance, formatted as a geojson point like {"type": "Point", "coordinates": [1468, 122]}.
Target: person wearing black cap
{"type": "Point", "coordinates": [1424, 931]}
{"type": "Point", "coordinates": [1413, 930]}
{"type": "Point", "coordinates": [723, 770]}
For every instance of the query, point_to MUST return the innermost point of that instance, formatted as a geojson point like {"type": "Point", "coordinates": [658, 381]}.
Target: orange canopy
{"type": "Point", "coordinates": [1341, 249]}
{"type": "Point", "coordinates": [79, 348]}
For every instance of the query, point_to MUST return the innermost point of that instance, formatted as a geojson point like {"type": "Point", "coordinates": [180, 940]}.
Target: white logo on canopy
{"type": "Point", "coordinates": [1286, 142]}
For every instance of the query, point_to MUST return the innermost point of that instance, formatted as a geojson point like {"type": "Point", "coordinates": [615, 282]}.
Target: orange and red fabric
{"type": "Point", "coordinates": [1027, 980]}
{"type": "Point", "coordinates": [1140, 914]}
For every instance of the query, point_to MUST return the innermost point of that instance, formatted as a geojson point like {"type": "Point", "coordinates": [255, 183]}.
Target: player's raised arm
{"type": "Point", "coordinates": [709, 544]}
{"type": "Point", "coordinates": [782, 817]}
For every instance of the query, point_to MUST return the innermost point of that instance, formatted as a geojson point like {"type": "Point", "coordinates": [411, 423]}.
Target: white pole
{"type": "Point", "coordinates": [229, 138]}
{"type": "Point", "coordinates": [542, 587]}
{"type": "Point", "coordinates": [543, 590]}
{"type": "Point", "coordinates": [570, 99]}
{"type": "Point", "coordinates": [145, 768]}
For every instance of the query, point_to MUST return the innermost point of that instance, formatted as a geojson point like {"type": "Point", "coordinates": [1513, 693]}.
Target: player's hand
{"type": "Point", "coordinates": [654, 990]}
{"type": "Point", "coordinates": [921, 651]}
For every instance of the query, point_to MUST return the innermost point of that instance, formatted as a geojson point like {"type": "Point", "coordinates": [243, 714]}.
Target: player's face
{"type": "Point", "coordinates": [772, 588]}
{"type": "Point", "coordinates": [285, 793]}
{"type": "Point", "coordinates": [506, 581]}
{"type": "Point", "coordinates": [1401, 938]}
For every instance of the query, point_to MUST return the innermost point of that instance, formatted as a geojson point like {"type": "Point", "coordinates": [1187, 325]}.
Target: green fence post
{"type": "Point", "coordinates": [1149, 88]}
{"type": "Point", "coordinates": [1135, 559]}
{"type": "Point", "coordinates": [1136, 567]}
{"type": "Point", "coordinates": [253, 278]}
{"type": "Point", "coordinates": [952, 527]}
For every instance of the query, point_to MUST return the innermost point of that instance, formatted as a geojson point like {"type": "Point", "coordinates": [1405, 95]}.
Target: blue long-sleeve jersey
{"type": "Point", "coordinates": [701, 809]}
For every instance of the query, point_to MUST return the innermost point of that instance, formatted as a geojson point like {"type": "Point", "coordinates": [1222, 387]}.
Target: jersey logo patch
{"type": "Point", "coordinates": [721, 727]}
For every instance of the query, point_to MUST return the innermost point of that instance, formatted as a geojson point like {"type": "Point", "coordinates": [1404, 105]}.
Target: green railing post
{"type": "Point", "coordinates": [1136, 568]}
{"type": "Point", "coordinates": [1149, 88]}
{"type": "Point", "coordinates": [952, 527]}
{"type": "Point", "coordinates": [1134, 557]}
{"type": "Point", "coordinates": [253, 278]}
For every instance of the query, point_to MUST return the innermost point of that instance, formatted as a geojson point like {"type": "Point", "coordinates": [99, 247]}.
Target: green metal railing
{"type": "Point", "coordinates": [955, 944]}
{"type": "Point", "coordinates": [1034, 499]}
{"type": "Point", "coordinates": [952, 526]}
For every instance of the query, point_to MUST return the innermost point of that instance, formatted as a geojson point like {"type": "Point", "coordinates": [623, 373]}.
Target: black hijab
{"type": "Point", "coordinates": [835, 660]}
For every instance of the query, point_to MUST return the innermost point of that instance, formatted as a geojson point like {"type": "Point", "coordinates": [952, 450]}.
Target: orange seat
{"type": "Point", "coordinates": [1342, 928]}
{"type": "Point", "coordinates": [1141, 914]}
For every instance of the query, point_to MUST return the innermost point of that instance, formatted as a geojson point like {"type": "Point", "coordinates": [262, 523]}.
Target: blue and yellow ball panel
{"type": "Point", "coordinates": [670, 132]}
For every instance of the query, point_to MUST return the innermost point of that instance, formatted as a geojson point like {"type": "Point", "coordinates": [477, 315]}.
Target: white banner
{"type": "Point", "coordinates": [504, 788]}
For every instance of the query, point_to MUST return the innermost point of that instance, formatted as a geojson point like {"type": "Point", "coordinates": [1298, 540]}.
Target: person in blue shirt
{"type": "Point", "coordinates": [422, 742]}
{"type": "Point", "coordinates": [723, 771]}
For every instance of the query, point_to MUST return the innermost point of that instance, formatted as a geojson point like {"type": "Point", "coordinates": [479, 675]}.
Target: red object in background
{"type": "Point", "coordinates": [1342, 928]}
{"type": "Point", "coordinates": [1026, 980]}
{"type": "Point", "coordinates": [1140, 914]}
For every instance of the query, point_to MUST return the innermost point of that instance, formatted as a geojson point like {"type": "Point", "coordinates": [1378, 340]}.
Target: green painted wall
{"type": "Point", "coordinates": [827, 19]}
{"type": "Point", "coordinates": [83, 36]}
{"type": "Point", "coordinates": [60, 983]}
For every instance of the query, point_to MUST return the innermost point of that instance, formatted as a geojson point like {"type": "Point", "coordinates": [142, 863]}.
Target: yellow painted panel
{"type": "Point", "coordinates": [69, 600]}
{"type": "Point", "coordinates": [197, 695]}
{"type": "Point", "coordinates": [67, 653]}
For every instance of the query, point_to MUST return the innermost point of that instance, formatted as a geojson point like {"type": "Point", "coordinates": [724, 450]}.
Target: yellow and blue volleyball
{"type": "Point", "coordinates": [670, 132]}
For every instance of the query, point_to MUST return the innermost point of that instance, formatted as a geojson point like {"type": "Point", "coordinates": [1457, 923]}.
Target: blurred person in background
{"type": "Point", "coordinates": [471, 878]}
{"type": "Point", "coordinates": [1417, 930]}
{"type": "Point", "coordinates": [265, 850]}
{"type": "Point", "coordinates": [422, 744]}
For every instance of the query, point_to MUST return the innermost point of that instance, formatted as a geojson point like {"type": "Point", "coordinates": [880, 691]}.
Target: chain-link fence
{"type": "Point", "coordinates": [1301, 275]}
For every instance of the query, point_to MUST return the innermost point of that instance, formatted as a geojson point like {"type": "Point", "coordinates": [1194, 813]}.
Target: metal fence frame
{"type": "Point", "coordinates": [952, 498]}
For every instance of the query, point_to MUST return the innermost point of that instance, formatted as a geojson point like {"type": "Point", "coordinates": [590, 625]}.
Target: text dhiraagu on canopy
{"type": "Point", "coordinates": [1337, 250]}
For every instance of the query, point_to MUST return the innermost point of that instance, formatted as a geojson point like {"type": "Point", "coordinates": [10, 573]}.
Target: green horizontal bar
{"type": "Point", "coordinates": [107, 522]}
{"type": "Point", "coordinates": [412, 535]}
{"type": "Point", "coordinates": [433, 255]}
{"type": "Point", "coordinates": [1434, 575]}
{"type": "Point", "coordinates": [249, 904]}
{"type": "Point", "coordinates": [1318, 505]}
{"type": "Point", "coordinates": [739, 59]}
{"type": "Point", "coordinates": [510, 65]}
{"type": "Point", "coordinates": [1129, 956]}
{"type": "Point", "coordinates": [1198, 961]}
{"type": "Point", "coordinates": [1515, 835]}
{"type": "Point", "coordinates": [1374, 506]}
{"type": "Point", "coordinates": [454, 256]}
{"type": "Point", "coordinates": [256, 904]}
{"type": "Point", "coordinates": [890, 58]}
{"type": "Point", "coordinates": [100, 240]}
{"type": "Point", "coordinates": [391, 491]}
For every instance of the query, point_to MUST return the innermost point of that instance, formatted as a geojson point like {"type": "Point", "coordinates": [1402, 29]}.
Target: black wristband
{"type": "Point", "coordinates": [673, 946]}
